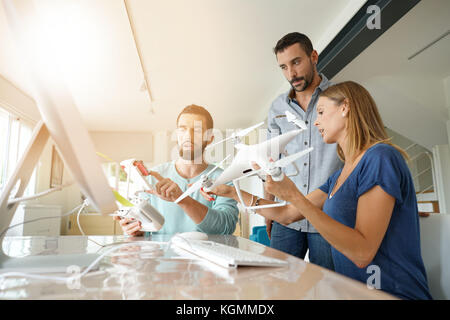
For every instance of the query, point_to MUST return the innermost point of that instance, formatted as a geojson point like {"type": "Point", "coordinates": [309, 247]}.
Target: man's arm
{"type": "Point", "coordinates": [270, 197]}
{"type": "Point", "coordinates": [168, 190]}
{"type": "Point", "coordinates": [272, 130]}
{"type": "Point", "coordinates": [194, 209]}
{"type": "Point", "coordinates": [220, 219]}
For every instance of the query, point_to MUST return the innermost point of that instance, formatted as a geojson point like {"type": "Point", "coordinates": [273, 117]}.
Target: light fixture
{"type": "Point", "coordinates": [145, 85]}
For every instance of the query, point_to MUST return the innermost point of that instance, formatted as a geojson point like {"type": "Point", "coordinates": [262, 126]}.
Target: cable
{"type": "Point", "coordinates": [118, 245]}
{"type": "Point", "coordinates": [80, 208]}
{"type": "Point", "coordinates": [42, 277]}
{"type": "Point", "coordinates": [84, 206]}
{"type": "Point", "coordinates": [42, 218]}
{"type": "Point", "coordinates": [39, 195]}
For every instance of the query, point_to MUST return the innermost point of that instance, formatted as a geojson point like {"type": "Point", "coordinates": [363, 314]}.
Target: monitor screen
{"type": "Point", "coordinates": [57, 107]}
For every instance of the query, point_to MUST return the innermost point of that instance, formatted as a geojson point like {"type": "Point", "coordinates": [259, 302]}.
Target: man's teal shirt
{"type": "Point", "coordinates": [222, 212]}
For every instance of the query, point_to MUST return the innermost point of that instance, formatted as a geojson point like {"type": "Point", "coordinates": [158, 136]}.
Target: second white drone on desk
{"type": "Point", "coordinates": [263, 154]}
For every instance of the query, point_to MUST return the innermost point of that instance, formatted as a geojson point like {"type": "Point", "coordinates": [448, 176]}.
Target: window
{"type": "Point", "coordinates": [15, 135]}
{"type": "Point", "coordinates": [118, 179]}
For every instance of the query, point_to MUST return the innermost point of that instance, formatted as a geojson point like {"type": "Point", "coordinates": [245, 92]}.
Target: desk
{"type": "Point", "coordinates": [151, 271]}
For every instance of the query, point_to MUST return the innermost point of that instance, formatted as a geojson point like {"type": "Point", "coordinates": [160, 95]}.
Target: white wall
{"type": "Point", "coordinates": [17, 102]}
{"type": "Point", "coordinates": [446, 82]}
{"type": "Point", "coordinates": [124, 145]}
{"type": "Point", "coordinates": [441, 154]}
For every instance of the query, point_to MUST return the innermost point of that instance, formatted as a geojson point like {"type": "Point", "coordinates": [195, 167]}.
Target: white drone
{"type": "Point", "coordinates": [261, 154]}
{"type": "Point", "coordinates": [141, 210]}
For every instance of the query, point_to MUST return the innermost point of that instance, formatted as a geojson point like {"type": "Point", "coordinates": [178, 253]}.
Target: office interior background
{"type": "Point", "coordinates": [132, 66]}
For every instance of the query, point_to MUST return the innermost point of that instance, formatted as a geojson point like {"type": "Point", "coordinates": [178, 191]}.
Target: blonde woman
{"type": "Point", "coordinates": [367, 210]}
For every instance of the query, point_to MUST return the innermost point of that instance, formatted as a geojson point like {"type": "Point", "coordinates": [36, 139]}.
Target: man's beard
{"type": "Point", "coordinates": [307, 79]}
{"type": "Point", "coordinates": [193, 154]}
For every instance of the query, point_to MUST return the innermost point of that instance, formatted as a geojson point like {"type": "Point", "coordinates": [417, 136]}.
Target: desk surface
{"type": "Point", "coordinates": [154, 271]}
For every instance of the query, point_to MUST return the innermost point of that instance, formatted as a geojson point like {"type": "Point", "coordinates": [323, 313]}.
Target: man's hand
{"type": "Point", "coordinates": [165, 189]}
{"type": "Point", "coordinates": [130, 227]}
{"type": "Point", "coordinates": [220, 191]}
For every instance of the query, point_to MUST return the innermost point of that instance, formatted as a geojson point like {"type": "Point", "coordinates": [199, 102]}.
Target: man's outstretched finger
{"type": "Point", "coordinates": [156, 175]}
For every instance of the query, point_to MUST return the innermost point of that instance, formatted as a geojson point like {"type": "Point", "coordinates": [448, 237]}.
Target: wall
{"type": "Point", "coordinates": [446, 82]}
{"type": "Point", "coordinates": [17, 102]}
{"type": "Point", "coordinates": [67, 198]}
{"type": "Point", "coordinates": [441, 154]}
{"type": "Point", "coordinates": [124, 145]}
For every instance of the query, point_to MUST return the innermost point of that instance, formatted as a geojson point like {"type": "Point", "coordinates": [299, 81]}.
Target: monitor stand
{"type": "Point", "coordinates": [15, 188]}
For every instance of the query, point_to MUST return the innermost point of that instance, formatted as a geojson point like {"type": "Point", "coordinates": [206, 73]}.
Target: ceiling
{"type": "Point", "coordinates": [410, 93]}
{"type": "Point", "coordinates": [215, 53]}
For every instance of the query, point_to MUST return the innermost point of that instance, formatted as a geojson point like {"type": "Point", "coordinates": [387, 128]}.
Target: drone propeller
{"type": "Point", "coordinates": [241, 133]}
{"type": "Point", "coordinates": [292, 118]}
{"type": "Point", "coordinates": [284, 162]}
{"type": "Point", "coordinates": [218, 165]}
{"type": "Point", "coordinates": [199, 183]}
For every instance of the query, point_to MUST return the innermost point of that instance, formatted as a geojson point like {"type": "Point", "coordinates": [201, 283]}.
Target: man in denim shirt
{"type": "Point", "coordinates": [297, 59]}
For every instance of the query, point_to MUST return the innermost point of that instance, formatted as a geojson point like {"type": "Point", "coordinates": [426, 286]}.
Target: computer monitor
{"type": "Point", "coordinates": [63, 123]}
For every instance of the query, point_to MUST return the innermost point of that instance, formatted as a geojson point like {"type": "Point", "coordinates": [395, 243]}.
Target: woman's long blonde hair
{"type": "Point", "coordinates": [365, 126]}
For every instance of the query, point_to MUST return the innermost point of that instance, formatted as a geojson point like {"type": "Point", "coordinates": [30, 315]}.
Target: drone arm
{"type": "Point", "coordinates": [281, 212]}
{"type": "Point", "coordinates": [295, 166]}
{"type": "Point", "coordinates": [239, 193]}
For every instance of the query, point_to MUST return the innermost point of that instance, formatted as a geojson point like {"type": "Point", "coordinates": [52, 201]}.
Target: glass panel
{"type": "Point", "coordinates": [13, 146]}
{"type": "Point", "coordinates": [4, 119]}
{"type": "Point", "coordinates": [14, 138]}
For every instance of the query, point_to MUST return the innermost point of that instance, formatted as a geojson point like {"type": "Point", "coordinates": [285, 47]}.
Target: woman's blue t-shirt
{"type": "Point", "coordinates": [399, 260]}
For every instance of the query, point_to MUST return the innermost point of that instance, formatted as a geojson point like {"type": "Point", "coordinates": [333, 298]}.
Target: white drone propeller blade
{"type": "Point", "coordinates": [283, 162]}
{"type": "Point", "coordinates": [245, 132]}
{"type": "Point", "coordinates": [241, 133]}
{"type": "Point", "coordinates": [218, 165]}
{"type": "Point", "coordinates": [219, 142]}
{"type": "Point", "coordinates": [196, 186]}
{"type": "Point", "coordinates": [292, 118]}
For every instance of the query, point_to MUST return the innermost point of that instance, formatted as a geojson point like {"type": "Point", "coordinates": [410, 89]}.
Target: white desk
{"type": "Point", "coordinates": [151, 272]}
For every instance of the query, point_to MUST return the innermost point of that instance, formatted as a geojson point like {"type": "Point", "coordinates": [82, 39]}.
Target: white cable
{"type": "Point", "coordinates": [84, 205]}
{"type": "Point", "coordinates": [64, 279]}
{"type": "Point", "coordinates": [37, 219]}
{"type": "Point", "coordinates": [39, 195]}
{"type": "Point", "coordinates": [54, 278]}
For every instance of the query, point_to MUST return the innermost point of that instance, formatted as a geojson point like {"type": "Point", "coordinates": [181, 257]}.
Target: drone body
{"type": "Point", "coordinates": [260, 153]}
{"type": "Point", "coordinates": [265, 154]}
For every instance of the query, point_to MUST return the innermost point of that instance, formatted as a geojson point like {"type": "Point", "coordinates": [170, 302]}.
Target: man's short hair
{"type": "Point", "coordinates": [194, 109]}
{"type": "Point", "coordinates": [292, 38]}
